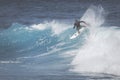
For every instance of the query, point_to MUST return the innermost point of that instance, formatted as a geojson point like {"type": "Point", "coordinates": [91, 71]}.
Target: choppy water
{"type": "Point", "coordinates": [35, 44]}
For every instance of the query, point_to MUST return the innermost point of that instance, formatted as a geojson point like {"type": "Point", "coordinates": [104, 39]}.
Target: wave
{"type": "Point", "coordinates": [47, 44]}
{"type": "Point", "coordinates": [21, 41]}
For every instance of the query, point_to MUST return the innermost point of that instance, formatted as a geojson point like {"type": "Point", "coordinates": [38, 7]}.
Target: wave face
{"type": "Point", "coordinates": [45, 45]}
{"type": "Point", "coordinates": [46, 48]}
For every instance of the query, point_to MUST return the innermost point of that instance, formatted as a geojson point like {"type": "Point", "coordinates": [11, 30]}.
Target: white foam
{"type": "Point", "coordinates": [39, 26]}
{"type": "Point", "coordinates": [55, 26]}
{"type": "Point", "coordinates": [94, 16]}
{"type": "Point", "coordinates": [101, 51]}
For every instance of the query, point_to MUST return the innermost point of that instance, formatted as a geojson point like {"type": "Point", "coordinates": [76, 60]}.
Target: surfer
{"type": "Point", "coordinates": [78, 25]}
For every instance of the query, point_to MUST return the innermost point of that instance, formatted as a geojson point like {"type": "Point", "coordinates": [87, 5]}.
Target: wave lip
{"type": "Point", "coordinates": [57, 28]}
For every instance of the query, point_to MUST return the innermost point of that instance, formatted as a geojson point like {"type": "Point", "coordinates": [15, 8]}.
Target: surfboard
{"type": "Point", "coordinates": [76, 34]}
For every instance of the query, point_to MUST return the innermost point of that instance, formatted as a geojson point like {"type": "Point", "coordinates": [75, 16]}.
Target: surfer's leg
{"type": "Point", "coordinates": [78, 31]}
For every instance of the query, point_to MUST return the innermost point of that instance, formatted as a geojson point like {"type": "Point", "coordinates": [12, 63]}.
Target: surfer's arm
{"type": "Point", "coordinates": [84, 23]}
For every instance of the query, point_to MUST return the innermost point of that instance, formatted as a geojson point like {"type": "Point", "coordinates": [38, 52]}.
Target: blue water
{"type": "Point", "coordinates": [35, 39]}
{"type": "Point", "coordinates": [35, 51]}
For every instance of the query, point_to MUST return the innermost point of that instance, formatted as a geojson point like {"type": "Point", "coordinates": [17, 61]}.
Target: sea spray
{"type": "Point", "coordinates": [101, 51]}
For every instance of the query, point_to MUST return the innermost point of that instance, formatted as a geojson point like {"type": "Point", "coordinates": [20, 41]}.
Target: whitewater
{"type": "Point", "coordinates": [101, 50]}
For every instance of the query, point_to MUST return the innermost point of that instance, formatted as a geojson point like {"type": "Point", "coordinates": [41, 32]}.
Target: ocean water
{"type": "Point", "coordinates": [35, 40]}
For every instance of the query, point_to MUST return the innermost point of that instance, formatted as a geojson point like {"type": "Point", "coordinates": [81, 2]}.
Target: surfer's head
{"type": "Point", "coordinates": [76, 20]}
